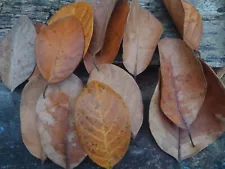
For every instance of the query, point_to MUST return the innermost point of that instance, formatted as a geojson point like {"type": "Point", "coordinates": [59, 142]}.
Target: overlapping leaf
{"type": "Point", "coordinates": [56, 123]}
{"type": "Point", "coordinates": [123, 83]}
{"type": "Point", "coordinates": [102, 10]}
{"type": "Point", "coordinates": [140, 38]}
{"type": "Point", "coordinates": [30, 135]}
{"type": "Point", "coordinates": [113, 37]}
{"type": "Point", "coordinates": [17, 58]}
{"type": "Point", "coordinates": [83, 12]}
{"type": "Point", "coordinates": [188, 21]}
{"type": "Point", "coordinates": [59, 49]}
{"type": "Point", "coordinates": [183, 84]}
{"type": "Point", "coordinates": [103, 124]}
{"type": "Point", "coordinates": [207, 127]}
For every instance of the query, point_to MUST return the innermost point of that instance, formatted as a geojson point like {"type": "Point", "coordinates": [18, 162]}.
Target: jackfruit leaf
{"type": "Point", "coordinates": [59, 48]}
{"type": "Point", "coordinates": [140, 38]}
{"type": "Point", "coordinates": [17, 57]}
{"type": "Point", "coordinates": [56, 123]}
{"type": "Point", "coordinates": [124, 84]}
{"type": "Point", "coordinates": [207, 127]}
{"type": "Point", "coordinates": [103, 124]}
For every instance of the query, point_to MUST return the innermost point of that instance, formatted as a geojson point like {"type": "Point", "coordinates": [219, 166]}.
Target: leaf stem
{"type": "Point", "coordinates": [190, 137]}
{"type": "Point", "coordinates": [33, 70]}
{"type": "Point", "coordinates": [42, 157]}
{"type": "Point", "coordinates": [94, 61]}
{"type": "Point", "coordinates": [46, 87]}
{"type": "Point", "coordinates": [179, 156]}
{"type": "Point", "coordinates": [189, 132]}
{"type": "Point", "coordinates": [197, 53]}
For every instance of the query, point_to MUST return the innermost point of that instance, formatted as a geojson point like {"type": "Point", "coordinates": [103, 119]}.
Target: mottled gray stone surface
{"type": "Point", "coordinates": [143, 151]}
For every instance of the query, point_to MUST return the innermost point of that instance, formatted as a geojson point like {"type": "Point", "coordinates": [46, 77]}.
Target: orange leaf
{"type": "Point", "coordinates": [183, 84]}
{"type": "Point", "coordinates": [56, 123]}
{"type": "Point", "coordinates": [140, 38]}
{"type": "Point", "coordinates": [59, 49]}
{"type": "Point", "coordinates": [113, 37]}
{"type": "Point", "coordinates": [103, 124]}
{"type": "Point", "coordinates": [83, 12]}
{"type": "Point", "coordinates": [128, 89]}
{"type": "Point", "coordinates": [207, 127]}
{"type": "Point", "coordinates": [102, 10]}
{"type": "Point", "coordinates": [188, 21]}
{"type": "Point", "coordinates": [30, 135]}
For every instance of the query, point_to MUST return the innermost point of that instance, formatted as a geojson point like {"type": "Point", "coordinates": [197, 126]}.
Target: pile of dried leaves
{"type": "Point", "coordinates": [64, 121]}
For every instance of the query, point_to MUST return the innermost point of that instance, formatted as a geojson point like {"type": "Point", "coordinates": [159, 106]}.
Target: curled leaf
{"type": "Point", "coordinates": [29, 98]}
{"type": "Point", "coordinates": [103, 124]}
{"type": "Point", "coordinates": [122, 83]}
{"type": "Point", "coordinates": [188, 21]}
{"type": "Point", "coordinates": [140, 38]}
{"type": "Point", "coordinates": [113, 37]}
{"type": "Point", "coordinates": [59, 49]}
{"type": "Point", "coordinates": [17, 58]}
{"type": "Point", "coordinates": [56, 123]}
{"type": "Point", "coordinates": [207, 127]}
{"type": "Point", "coordinates": [83, 12]}
{"type": "Point", "coordinates": [183, 84]}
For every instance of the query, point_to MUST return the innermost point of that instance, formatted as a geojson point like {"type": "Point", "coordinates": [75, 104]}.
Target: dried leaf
{"type": "Point", "coordinates": [102, 10]}
{"type": "Point", "coordinates": [208, 126]}
{"type": "Point", "coordinates": [30, 135]}
{"type": "Point", "coordinates": [113, 37]}
{"type": "Point", "coordinates": [55, 112]}
{"type": "Point", "coordinates": [188, 21]}
{"type": "Point", "coordinates": [17, 58]}
{"type": "Point", "coordinates": [140, 39]}
{"type": "Point", "coordinates": [59, 49]}
{"type": "Point", "coordinates": [128, 89]}
{"type": "Point", "coordinates": [83, 12]}
{"type": "Point", "coordinates": [183, 84]}
{"type": "Point", "coordinates": [39, 26]}
{"type": "Point", "coordinates": [103, 124]}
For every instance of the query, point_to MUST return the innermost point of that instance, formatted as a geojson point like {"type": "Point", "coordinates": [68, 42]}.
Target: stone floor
{"type": "Point", "coordinates": [143, 152]}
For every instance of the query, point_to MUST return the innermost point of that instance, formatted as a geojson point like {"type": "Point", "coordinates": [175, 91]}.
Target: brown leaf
{"type": "Point", "coordinates": [128, 89]}
{"type": "Point", "coordinates": [55, 112]}
{"type": "Point", "coordinates": [103, 124]}
{"type": "Point", "coordinates": [113, 37]}
{"type": "Point", "coordinates": [207, 127]}
{"type": "Point", "coordinates": [39, 26]}
{"type": "Point", "coordinates": [183, 84]}
{"type": "Point", "coordinates": [59, 49]}
{"type": "Point", "coordinates": [102, 10]}
{"type": "Point", "coordinates": [30, 135]}
{"type": "Point", "coordinates": [188, 21]}
{"type": "Point", "coordinates": [83, 12]}
{"type": "Point", "coordinates": [17, 58]}
{"type": "Point", "coordinates": [140, 38]}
